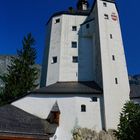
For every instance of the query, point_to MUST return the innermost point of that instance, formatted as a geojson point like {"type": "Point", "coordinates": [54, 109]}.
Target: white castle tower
{"type": "Point", "coordinates": [85, 47]}
{"type": "Point", "coordinates": [84, 70]}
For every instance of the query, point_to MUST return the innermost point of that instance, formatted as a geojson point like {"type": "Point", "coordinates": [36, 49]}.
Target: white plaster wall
{"type": "Point", "coordinates": [86, 65]}
{"type": "Point", "coordinates": [115, 95]}
{"type": "Point", "coordinates": [88, 68]}
{"type": "Point", "coordinates": [92, 117]}
{"type": "Point", "coordinates": [68, 69]}
{"type": "Point", "coordinates": [104, 69]}
{"type": "Point", "coordinates": [59, 44]}
{"type": "Point", "coordinates": [94, 32]}
{"type": "Point", "coordinates": [70, 107]}
{"type": "Point", "coordinates": [54, 51]}
{"type": "Point", "coordinates": [87, 32]}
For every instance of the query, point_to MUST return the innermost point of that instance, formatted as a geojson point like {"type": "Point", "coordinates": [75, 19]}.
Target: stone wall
{"type": "Point", "coordinates": [87, 134]}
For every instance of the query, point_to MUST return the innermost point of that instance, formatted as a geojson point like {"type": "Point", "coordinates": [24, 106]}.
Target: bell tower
{"type": "Point", "coordinates": [82, 5]}
{"type": "Point", "coordinates": [112, 63]}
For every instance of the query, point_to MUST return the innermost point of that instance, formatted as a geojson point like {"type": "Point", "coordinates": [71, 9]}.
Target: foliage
{"type": "Point", "coordinates": [21, 74]}
{"type": "Point", "coordinates": [129, 127]}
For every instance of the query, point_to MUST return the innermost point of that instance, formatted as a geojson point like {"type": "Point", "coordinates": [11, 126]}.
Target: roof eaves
{"type": "Point", "coordinates": [111, 1]}
{"type": "Point", "coordinates": [25, 135]}
{"type": "Point", "coordinates": [71, 92]}
{"type": "Point", "coordinates": [67, 13]}
{"type": "Point", "coordinates": [138, 97]}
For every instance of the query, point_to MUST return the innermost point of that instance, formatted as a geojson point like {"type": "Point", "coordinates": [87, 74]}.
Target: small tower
{"type": "Point", "coordinates": [82, 5]}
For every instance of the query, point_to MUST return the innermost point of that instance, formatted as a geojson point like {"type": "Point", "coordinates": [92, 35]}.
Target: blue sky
{"type": "Point", "coordinates": [19, 17]}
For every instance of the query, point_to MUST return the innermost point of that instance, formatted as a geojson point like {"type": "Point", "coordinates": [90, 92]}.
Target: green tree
{"type": "Point", "coordinates": [22, 73]}
{"type": "Point", "coordinates": [129, 127]}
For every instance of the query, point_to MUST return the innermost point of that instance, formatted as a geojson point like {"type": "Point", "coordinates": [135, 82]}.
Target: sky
{"type": "Point", "coordinates": [19, 17]}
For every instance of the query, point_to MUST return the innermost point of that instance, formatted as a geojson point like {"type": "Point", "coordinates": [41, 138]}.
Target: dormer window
{"type": "Point", "coordinates": [54, 115]}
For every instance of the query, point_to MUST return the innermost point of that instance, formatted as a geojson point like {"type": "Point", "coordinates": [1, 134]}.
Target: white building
{"type": "Point", "coordinates": [84, 70]}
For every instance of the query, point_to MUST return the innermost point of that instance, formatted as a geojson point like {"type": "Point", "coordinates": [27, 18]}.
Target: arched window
{"type": "Point", "coordinates": [83, 108]}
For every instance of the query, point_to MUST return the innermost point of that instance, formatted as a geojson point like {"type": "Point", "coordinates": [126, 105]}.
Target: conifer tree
{"type": "Point", "coordinates": [129, 127]}
{"type": "Point", "coordinates": [22, 73]}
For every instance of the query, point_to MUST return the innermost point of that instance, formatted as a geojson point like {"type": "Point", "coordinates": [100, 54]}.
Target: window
{"type": "Point", "coordinates": [83, 108]}
{"type": "Point", "coordinates": [94, 99]}
{"type": "Point", "coordinates": [74, 44]}
{"type": "Point", "coordinates": [116, 80]}
{"type": "Point", "coordinates": [111, 36]}
{"type": "Point", "coordinates": [104, 4]}
{"type": "Point", "coordinates": [54, 59]}
{"type": "Point", "coordinates": [87, 26]}
{"type": "Point", "coordinates": [74, 59]}
{"type": "Point", "coordinates": [113, 57]}
{"type": "Point", "coordinates": [57, 20]}
{"type": "Point", "coordinates": [74, 28]}
{"type": "Point", "coordinates": [106, 16]}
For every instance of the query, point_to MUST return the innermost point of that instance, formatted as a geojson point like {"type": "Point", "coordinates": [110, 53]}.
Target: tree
{"type": "Point", "coordinates": [129, 127]}
{"type": "Point", "coordinates": [21, 74]}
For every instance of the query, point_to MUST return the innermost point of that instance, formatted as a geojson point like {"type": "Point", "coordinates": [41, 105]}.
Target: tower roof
{"type": "Point", "coordinates": [71, 87]}
{"type": "Point", "coordinates": [55, 108]}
